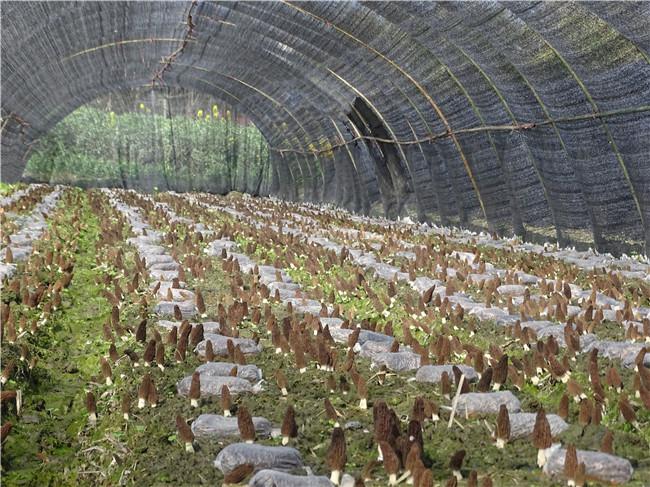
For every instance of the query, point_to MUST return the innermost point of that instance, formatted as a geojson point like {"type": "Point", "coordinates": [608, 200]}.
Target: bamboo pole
{"type": "Point", "coordinates": [487, 128]}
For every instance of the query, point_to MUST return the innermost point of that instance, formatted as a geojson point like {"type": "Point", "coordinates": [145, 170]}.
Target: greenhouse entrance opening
{"type": "Point", "coordinates": [155, 140]}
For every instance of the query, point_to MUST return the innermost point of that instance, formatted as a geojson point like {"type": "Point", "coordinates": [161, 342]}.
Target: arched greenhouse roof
{"type": "Point", "coordinates": [518, 114]}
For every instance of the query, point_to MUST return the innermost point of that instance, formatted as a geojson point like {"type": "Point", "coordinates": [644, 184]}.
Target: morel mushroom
{"type": "Point", "coordinates": [542, 438]}
{"type": "Point", "coordinates": [289, 427]}
{"type": "Point", "coordinates": [195, 390]}
{"type": "Point", "coordinates": [185, 434]}
{"type": "Point", "coordinates": [245, 425]}
{"type": "Point", "coordinates": [91, 406]}
{"type": "Point", "coordinates": [502, 433]}
{"type": "Point", "coordinates": [226, 401]}
{"type": "Point", "coordinates": [336, 455]}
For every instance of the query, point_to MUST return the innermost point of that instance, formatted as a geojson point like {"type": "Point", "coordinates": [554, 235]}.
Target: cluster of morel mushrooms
{"type": "Point", "coordinates": [296, 279]}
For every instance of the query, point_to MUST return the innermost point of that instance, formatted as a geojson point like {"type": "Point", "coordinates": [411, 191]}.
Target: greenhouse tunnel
{"type": "Point", "coordinates": [527, 118]}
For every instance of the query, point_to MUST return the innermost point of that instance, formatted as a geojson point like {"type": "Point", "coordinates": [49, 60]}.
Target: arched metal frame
{"type": "Point", "coordinates": [445, 78]}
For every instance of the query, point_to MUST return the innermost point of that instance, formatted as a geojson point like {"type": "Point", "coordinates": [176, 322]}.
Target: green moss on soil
{"type": "Point", "coordinates": [54, 414]}
{"type": "Point", "coordinates": [146, 451]}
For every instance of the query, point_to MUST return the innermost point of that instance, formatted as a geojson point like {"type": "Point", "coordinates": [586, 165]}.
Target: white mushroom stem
{"type": "Point", "coordinates": [406, 476]}
{"type": "Point", "coordinates": [392, 479]}
{"type": "Point", "coordinates": [141, 402]}
{"type": "Point", "coordinates": [147, 364]}
{"type": "Point", "coordinates": [284, 391]}
{"type": "Point", "coordinates": [455, 402]}
{"type": "Point", "coordinates": [161, 367]}
{"type": "Point", "coordinates": [194, 403]}
{"type": "Point", "coordinates": [19, 400]}
{"type": "Point", "coordinates": [92, 417]}
{"type": "Point", "coordinates": [541, 458]}
{"type": "Point", "coordinates": [458, 475]}
{"type": "Point", "coordinates": [302, 370]}
{"type": "Point", "coordinates": [565, 377]}
{"type": "Point", "coordinates": [335, 477]}
{"type": "Point", "coordinates": [496, 386]}
{"type": "Point", "coordinates": [501, 443]}
{"type": "Point", "coordinates": [126, 416]}
{"type": "Point", "coordinates": [226, 413]}
{"type": "Point", "coordinates": [109, 381]}
{"type": "Point", "coordinates": [571, 483]}
{"type": "Point", "coordinates": [363, 403]}
{"type": "Point", "coordinates": [189, 448]}
{"type": "Point", "coordinates": [285, 440]}
{"type": "Point", "coordinates": [250, 442]}
{"type": "Point", "coordinates": [380, 455]}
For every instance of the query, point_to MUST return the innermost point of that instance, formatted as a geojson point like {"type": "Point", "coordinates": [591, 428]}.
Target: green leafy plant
{"type": "Point", "coordinates": [148, 151]}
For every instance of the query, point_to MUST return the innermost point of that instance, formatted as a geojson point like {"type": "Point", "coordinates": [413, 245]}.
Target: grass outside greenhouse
{"type": "Point", "coordinates": [211, 151]}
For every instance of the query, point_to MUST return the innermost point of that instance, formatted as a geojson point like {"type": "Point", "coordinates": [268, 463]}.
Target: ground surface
{"type": "Point", "coordinates": [52, 442]}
